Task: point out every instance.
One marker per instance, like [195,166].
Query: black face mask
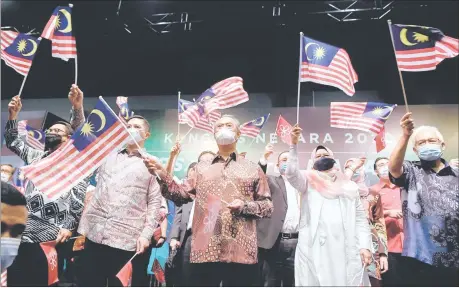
[52,141]
[324,164]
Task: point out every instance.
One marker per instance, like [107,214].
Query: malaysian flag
[252,128]
[189,113]
[364,116]
[101,134]
[122,103]
[59,30]
[18,50]
[33,137]
[224,94]
[328,65]
[420,48]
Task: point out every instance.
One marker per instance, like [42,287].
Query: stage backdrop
[315,122]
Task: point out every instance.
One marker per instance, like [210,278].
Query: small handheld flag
[49,248]
[364,116]
[81,155]
[252,128]
[18,50]
[189,113]
[419,48]
[122,103]
[125,274]
[59,30]
[222,95]
[380,140]
[328,65]
[283,130]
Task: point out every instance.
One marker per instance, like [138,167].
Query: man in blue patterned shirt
[430,203]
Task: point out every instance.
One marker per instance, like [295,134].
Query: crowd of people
[237,222]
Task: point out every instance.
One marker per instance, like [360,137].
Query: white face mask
[9,248]
[225,136]
[5,177]
[136,137]
[384,172]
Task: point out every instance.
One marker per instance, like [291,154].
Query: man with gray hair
[223,239]
[430,202]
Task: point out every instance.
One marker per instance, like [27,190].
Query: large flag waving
[328,65]
[224,94]
[364,116]
[59,30]
[252,128]
[419,48]
[18,50]
[102,134]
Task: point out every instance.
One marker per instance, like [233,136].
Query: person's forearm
[170,164]
[397,156]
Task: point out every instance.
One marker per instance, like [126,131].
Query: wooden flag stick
[389,23]
[187,133]
[76,70]
[299,80]
[178,116]
[250,145]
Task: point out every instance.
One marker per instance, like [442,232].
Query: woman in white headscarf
[371,201]
[334,240]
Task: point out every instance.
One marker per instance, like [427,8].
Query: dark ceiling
[234,38]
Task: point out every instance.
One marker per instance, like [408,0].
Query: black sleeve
[263,167]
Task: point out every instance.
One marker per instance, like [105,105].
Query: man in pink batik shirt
[122,214]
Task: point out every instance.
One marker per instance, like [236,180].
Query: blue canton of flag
[206,96]
[101,134]
[378,111]
[328,65]
[253,128]
[18,50]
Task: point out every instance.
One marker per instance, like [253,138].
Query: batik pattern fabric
[234,237]
[45,216]
[430,205]
[375,215]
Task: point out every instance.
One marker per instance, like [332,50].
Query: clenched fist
[76,97]
[14,107]
[295,135]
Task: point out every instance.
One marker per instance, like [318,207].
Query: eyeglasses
[54,131]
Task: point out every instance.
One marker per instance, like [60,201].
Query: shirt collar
[447,170]
[232,157]
[383,184]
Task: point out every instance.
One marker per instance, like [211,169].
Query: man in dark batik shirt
[430,204]
[48,220]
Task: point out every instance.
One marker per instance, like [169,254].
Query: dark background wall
[235,38]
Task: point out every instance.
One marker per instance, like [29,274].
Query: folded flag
[18,50]
[224,94]
[33,137]
[283,130]
[59,30]
[364,116]
[419,48]
[328,65]
[252,128]
[49,248]
[81,155]
[157,263]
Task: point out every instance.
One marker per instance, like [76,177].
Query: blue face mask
[9,248]
[430,152]
[282,168]
[356,176]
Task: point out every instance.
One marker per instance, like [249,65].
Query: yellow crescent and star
[418,37]
[23,45]
[88,127]
[318,53]
[381,112]
[259,121]
[68,17]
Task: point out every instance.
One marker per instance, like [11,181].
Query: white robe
[331,233]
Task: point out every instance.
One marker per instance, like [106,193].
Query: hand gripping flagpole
[399,72]
[25,77]
[299,80]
